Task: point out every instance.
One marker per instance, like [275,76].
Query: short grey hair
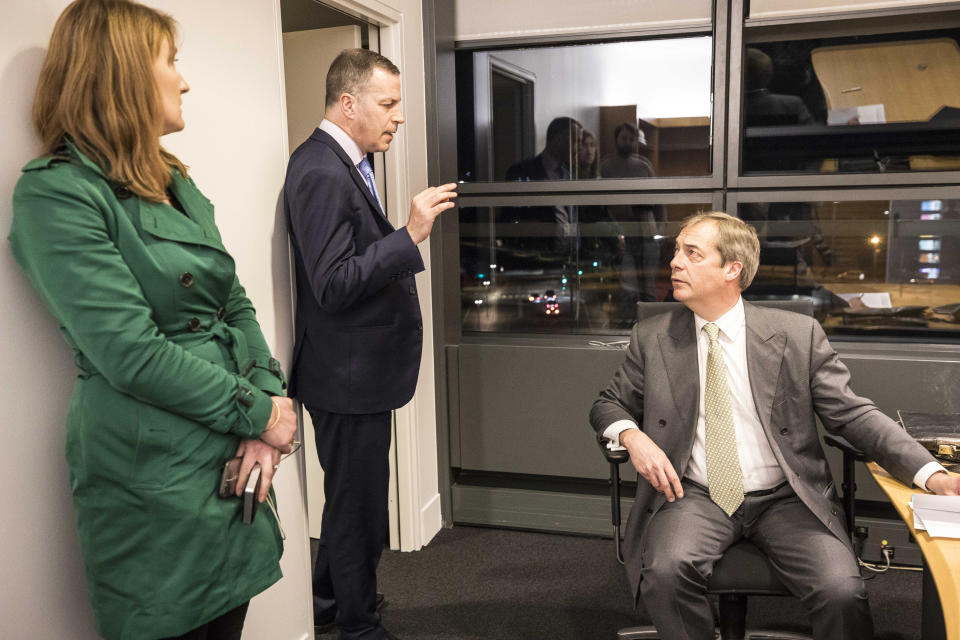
[351,70]
[736,241]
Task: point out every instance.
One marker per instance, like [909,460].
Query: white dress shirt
[348,144]
[757,461]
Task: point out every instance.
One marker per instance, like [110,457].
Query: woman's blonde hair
[97,87]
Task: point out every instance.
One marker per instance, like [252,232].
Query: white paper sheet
[938,515]
[864,114]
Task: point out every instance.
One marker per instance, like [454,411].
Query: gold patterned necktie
[723,460]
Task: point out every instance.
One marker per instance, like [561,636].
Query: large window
[634,109]
[565,268]
[836,133]
[857,104]
[871,267]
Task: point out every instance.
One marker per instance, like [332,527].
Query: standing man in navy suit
[358,327]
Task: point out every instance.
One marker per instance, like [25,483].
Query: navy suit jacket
[359,332]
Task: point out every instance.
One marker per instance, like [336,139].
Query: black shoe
[326,622]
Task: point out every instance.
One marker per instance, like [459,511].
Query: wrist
[935,478]
[274,415]
[414,236]
[627,436]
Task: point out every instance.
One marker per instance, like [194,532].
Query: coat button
[784,431]
[186,279]
[245,396]
[122,192]
[193,324]
[661,423]
[221,312]
[413,289]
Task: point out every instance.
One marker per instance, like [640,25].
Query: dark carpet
[492,584]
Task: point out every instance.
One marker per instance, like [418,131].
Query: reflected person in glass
[763,108]
[588,166]
[641,252]
[627,161]
[558,156]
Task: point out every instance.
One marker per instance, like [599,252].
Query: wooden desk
[912,79]
[941,556]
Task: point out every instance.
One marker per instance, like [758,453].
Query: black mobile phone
[250,493]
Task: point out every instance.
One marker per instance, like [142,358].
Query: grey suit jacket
[795,376]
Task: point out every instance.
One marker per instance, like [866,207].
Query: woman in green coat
[174,376]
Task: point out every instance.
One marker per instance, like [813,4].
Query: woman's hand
[254,451]
[282,427]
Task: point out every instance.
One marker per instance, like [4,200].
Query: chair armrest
[841,443]
[617,455]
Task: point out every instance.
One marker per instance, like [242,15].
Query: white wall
[235,145]
[476,20]
[784,8]
[575,80]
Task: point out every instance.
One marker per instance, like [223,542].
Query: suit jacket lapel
[679,349]
[765,347]
[327,139]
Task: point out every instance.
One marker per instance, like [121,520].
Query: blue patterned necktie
[367,172]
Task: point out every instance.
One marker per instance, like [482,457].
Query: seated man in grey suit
[725,394]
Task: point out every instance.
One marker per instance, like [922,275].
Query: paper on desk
[938,515]
[874,300]
[864,114]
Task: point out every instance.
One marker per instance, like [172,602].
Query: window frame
[717,31]
[853,23]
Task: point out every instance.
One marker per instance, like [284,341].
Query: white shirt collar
[731,323]
[348,144]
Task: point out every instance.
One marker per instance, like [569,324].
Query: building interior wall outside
[497,432]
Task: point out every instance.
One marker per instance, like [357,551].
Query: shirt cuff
[925,472]
[612,433]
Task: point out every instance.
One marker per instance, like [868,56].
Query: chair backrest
[799,305]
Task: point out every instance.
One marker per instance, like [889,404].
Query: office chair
[851,455]
[743,570]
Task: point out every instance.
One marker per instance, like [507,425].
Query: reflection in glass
[870,267]
[574,112]
[887,102]
[564,268]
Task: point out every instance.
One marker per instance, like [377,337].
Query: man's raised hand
[426,206]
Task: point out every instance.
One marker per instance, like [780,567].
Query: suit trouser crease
[684,540]
[353,452]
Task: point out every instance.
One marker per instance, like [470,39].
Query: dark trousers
[685,538]
[229,626]
[353,451]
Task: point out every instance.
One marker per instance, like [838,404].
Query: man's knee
[668,572]
[837,591]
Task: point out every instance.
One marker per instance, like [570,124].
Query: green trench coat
[173,371]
